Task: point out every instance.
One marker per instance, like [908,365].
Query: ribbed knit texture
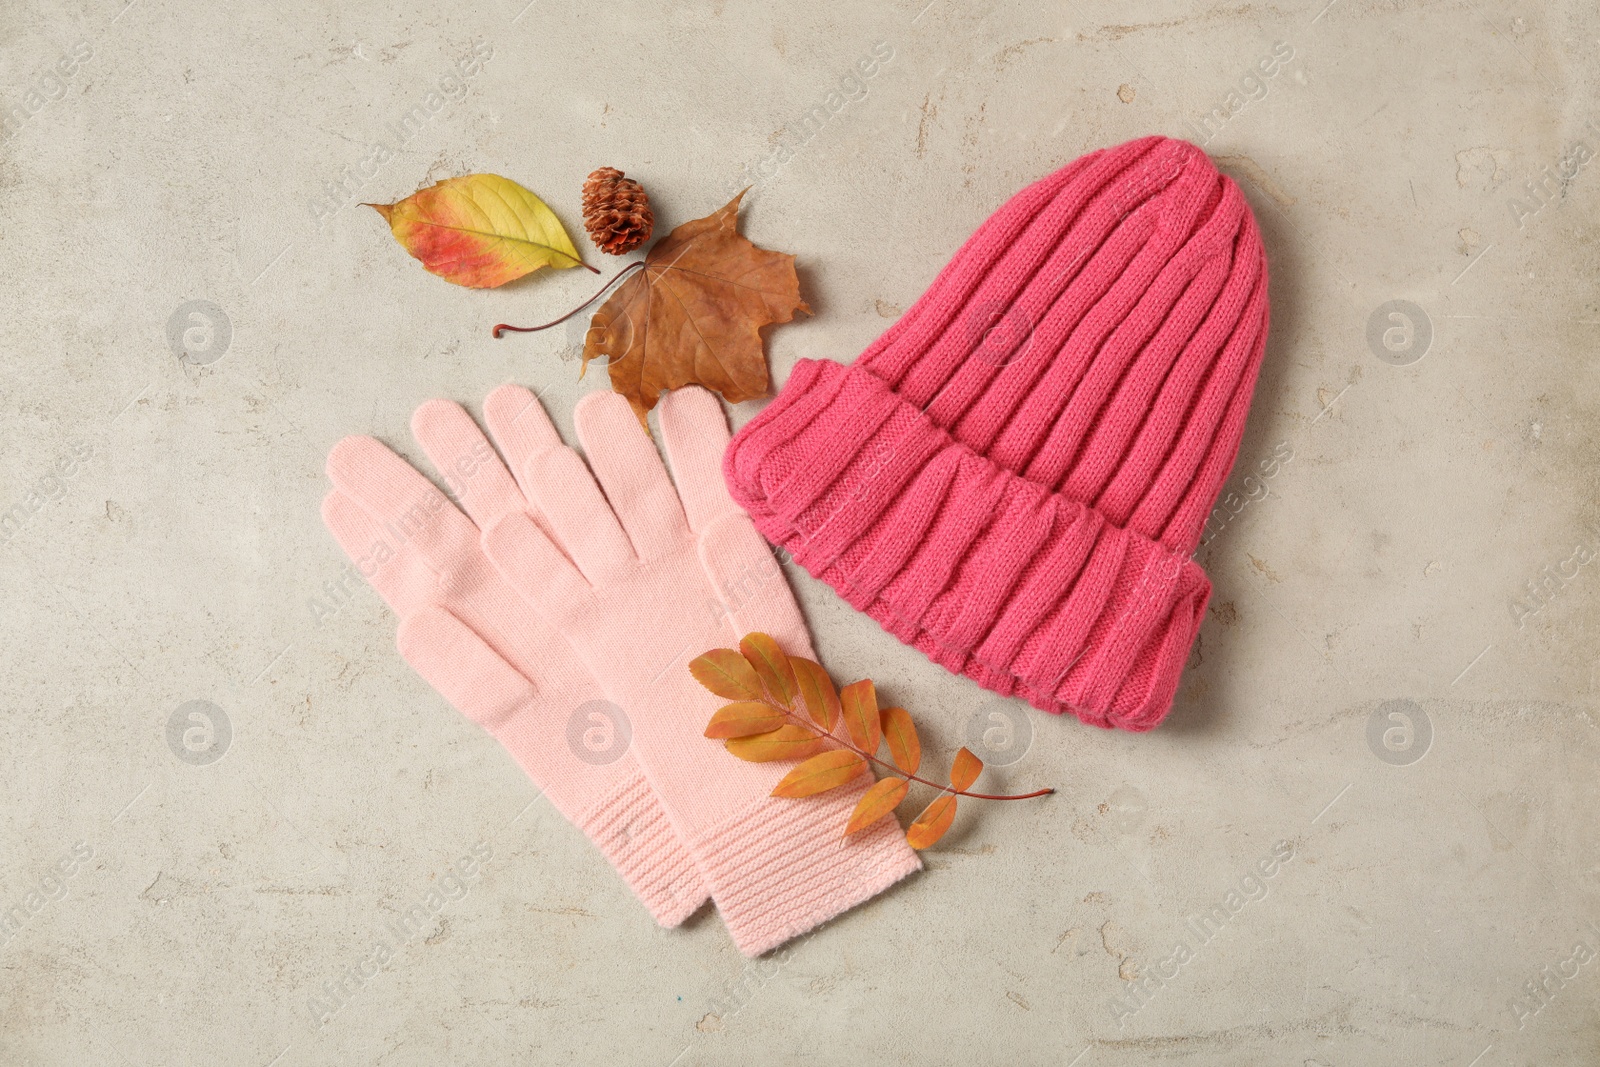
[778,882]
[1012,477]
[629,827]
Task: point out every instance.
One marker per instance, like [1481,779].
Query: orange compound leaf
[859,703]
[817,693]
[744,719]
[727,674]
[480,230]
[789,742]
[771,666]
[933,822]
[821,773]
[965,770]
[901,733]
[882,798]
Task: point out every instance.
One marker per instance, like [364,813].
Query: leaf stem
[814,728]
[623,273]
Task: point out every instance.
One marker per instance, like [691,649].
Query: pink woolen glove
[477,642]
[650,578]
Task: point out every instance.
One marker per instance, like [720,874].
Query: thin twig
[621,274]
[814,728]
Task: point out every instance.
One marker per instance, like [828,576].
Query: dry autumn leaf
[786,708]
[882,798]
[821,773]
[693,314]
[964,770]
[727,674]
[480,231]
[859,703]
[744,719]
[901,733]
[789,742]
[771,666]
[933,822]
[817,693]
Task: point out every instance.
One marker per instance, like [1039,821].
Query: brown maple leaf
[693,314]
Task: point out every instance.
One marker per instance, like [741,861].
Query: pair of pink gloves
[552,598]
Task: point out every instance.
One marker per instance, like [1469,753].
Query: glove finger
[695,432]
[464,669]
[755,595]
[580,520]
[471,470]
[519,426]
[400,574]
[535,567]
[408,506]
[630,471]
[739,562]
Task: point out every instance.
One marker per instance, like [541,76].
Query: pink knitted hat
[1013,476]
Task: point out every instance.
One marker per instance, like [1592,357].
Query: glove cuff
[785,866]
[630,828]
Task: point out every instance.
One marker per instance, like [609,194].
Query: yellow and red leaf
[479,230]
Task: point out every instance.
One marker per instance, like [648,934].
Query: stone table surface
[222,785]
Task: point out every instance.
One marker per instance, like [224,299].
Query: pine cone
[616,212]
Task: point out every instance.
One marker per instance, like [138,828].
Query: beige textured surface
[172,552]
